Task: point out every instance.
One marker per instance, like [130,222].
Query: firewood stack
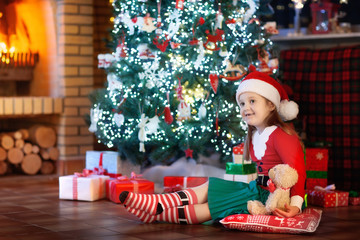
[29,150]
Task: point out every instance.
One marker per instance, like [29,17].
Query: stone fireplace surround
[67,72]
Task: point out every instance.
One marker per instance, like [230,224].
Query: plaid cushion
[326,85]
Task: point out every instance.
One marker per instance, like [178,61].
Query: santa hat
[272,90]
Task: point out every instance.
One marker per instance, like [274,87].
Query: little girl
[263,104]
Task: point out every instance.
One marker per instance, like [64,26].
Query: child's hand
[290,211]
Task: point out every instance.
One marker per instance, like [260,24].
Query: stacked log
[30,150]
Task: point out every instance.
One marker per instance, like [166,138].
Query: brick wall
[75,74]
[82,27]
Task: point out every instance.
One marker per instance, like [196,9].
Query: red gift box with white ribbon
[327,198]
[177,183]
[134,184]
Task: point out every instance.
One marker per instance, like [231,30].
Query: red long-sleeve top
[274,146]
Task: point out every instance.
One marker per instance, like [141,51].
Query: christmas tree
[173,74]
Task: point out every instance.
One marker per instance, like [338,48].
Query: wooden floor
[30,209]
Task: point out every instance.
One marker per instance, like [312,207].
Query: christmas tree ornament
[179,4]
[101,60]
[119,119]
[233,72]
[158,30]
[201,55]
[144,52]
[223,52]
[189,153]
[114,85]
[263,58]
[175,23]
[161,45]
[273,64]
[202,111]
[211,42]
[184,111]
[148,25]
[95,115]
[142,133]
[152,125]
[219,20]
[120,49]
[175,45]
[179,90]
[109,59]
[250,11]
[154,76]
[168,117]
[270,28]
[125,18]
[214,81]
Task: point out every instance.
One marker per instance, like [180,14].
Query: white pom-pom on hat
[268,87]
[288,110]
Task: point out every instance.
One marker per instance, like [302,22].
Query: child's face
[254,109]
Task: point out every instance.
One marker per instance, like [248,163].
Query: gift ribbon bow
[84,173]
[133,178]
[328,188]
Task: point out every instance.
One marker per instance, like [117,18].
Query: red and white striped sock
[149,202]
[181,215]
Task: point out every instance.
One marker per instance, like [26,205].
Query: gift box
[133,184]
[354,201]
[246,178]
[240,169]
[354,198]
[327,198]
[111,162]
[177,183]
[316,167]
[237,153]
[82,186]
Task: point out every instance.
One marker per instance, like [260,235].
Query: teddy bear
[282,177]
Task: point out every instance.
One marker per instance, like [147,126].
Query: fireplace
[62,39]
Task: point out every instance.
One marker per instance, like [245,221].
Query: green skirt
[227,197]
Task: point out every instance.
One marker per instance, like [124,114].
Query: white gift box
[111,162]
[246,178]
[88,188]
[237,158]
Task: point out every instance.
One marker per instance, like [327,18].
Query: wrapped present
[134,184]
[240,169]
[237,154]
[177,183]
[316,167]
[83,186]
[327,198]
[354,198]
[240,178]
[111,162]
